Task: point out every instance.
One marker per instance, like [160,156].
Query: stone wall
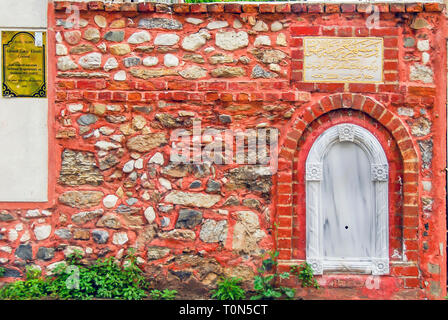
[132,74]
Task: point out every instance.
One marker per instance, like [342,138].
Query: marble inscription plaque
[343,59]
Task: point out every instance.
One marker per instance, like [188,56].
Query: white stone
[150,61]
[217,25]
[425,57]
[209,49]
[157,159]
[232,40]
[66,63]
[103,47]
[91,61]
[406,112]
[262,41]
[12,235]
[61,50]
[274,67]
[196,40]
[129,166]
[167,39]
[165,183]
[42,232]
[276,26]
[33,213]
[106,145]
[423,45]
[56,265]
[120,238]
[100,21]
[107,131]
[19,227]
[58,37]
[46,213]
[260,26]
[237,24]
[6,249]
[427,185]
[110,64]
[138,164]
[110,201]
[422,73]
[120,76]
[150,214]
[194,21]
[75,107]
[170,60]
[192,199]
[139,37]
[281,40]
[25,237]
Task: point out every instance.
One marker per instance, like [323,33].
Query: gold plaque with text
[23,64]
[343,59]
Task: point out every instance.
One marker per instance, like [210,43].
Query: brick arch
[298,125]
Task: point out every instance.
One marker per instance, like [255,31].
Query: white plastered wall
[23,121]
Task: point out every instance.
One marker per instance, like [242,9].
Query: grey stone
[11,273]
[195,184]
[131,62]
[188,219]
[165,222]
[159,23]
[100,236]
[223,118]
[213,231]
[87,119]
[213,186]
[63,233]
[131,201]
[259,72]
[247,232]
[115,36]
[66,63]
[253,178]
[6,216]
[231,201]
[24,251]
[45,254]
[268,56]
[196,40]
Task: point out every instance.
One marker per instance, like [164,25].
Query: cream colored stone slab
[343,59]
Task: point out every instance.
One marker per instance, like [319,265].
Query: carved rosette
[380,172]
[316,265]
[346,132]
[380,266]
[314,171]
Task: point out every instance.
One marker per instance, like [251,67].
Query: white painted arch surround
[378,263]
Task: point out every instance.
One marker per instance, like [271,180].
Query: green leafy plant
[2,271]
[264,283]
[305,274]
[229,289]
[33,287]
[104,279]
[163,295]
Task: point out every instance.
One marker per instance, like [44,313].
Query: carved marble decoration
[347,202]
[346,132]
[380,172]
[314,171]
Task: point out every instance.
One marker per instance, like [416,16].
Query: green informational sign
[23,64]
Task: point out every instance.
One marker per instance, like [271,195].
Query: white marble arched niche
[347,177]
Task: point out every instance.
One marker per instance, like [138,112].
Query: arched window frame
[379,262]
